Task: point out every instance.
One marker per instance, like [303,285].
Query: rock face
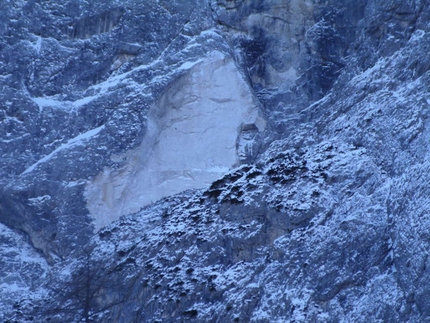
[214,161]
[196,132]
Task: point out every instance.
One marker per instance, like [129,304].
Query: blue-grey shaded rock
[321,217]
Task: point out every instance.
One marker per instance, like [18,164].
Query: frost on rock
[23,273]
[191,140]
[214,161]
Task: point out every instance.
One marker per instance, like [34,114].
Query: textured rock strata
[196,132]
[284,143]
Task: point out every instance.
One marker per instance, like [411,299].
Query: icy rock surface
[287,142]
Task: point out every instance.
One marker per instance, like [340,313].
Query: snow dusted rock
[195,133]
[24,271]
[258,245]
[110,106]
[117,121]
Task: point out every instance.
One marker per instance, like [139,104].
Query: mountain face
[214,161]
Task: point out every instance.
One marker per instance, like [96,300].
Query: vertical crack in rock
[202,126]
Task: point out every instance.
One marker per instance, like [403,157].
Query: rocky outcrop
[284,144]
[62,127]
[195,133]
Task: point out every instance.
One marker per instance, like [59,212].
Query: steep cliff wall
[193,137]
[284,144]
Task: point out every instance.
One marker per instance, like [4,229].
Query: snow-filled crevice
[193,137]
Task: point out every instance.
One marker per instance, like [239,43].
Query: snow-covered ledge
[193,137]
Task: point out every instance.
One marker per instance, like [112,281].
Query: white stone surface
[192,139]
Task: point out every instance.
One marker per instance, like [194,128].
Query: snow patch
[39,200]
[53,102]
[188,65]
[78,140]
[417,35]
[38,44]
